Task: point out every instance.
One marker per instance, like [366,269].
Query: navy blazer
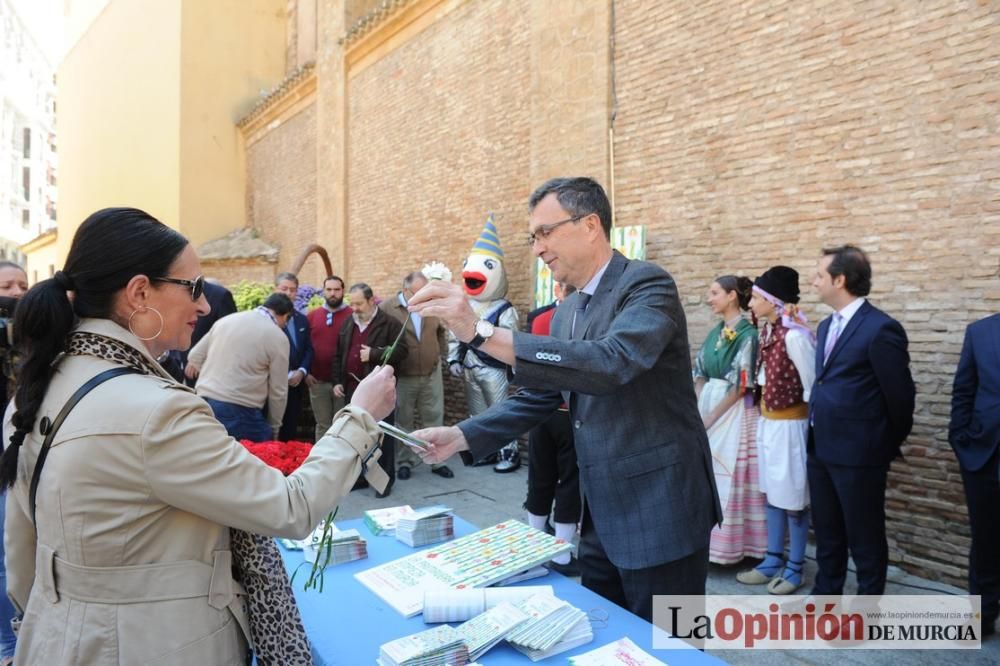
[974,431]
[645,464]
[861,406]
[300,351]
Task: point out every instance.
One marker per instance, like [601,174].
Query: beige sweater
[243,359]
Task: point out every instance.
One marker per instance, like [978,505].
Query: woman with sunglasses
[123,554]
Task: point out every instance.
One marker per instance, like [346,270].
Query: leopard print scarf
[275,624]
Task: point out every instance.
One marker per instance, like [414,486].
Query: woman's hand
[376,394]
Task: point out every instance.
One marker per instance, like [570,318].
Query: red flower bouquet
[284,456]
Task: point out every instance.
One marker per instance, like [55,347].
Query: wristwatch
[484,331]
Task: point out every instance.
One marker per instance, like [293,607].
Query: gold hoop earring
[144,310]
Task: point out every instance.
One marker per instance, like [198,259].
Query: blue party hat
[489,240]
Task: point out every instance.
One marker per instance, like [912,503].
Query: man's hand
[447,302]
[376,394]
[444,443]
[338,390]
[366,353]
[295,378]
[191,370]
[311,381]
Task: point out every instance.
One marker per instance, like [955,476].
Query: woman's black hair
[110,248]
[743,287]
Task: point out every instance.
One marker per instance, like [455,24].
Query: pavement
[483,497]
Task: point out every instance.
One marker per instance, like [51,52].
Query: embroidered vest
[782,385]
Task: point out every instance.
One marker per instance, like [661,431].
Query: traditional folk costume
[727,361]
[787,354]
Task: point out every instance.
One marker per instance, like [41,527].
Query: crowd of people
[139,508]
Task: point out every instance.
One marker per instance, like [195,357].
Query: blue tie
[582,300]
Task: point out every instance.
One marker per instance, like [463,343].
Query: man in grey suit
[619,357]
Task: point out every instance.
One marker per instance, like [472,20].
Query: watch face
[484,328]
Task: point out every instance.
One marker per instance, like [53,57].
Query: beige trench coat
[133,509]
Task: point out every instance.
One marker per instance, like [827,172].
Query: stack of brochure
[435,647]
[346,546]
[383,521]
[487,629]
[555,626]
[623,651]
[424,526]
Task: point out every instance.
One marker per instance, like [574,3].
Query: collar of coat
[110,329]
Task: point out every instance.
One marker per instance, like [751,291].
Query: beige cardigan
[133,510]
[243,359]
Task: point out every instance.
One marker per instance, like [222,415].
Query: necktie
[582,300]
[831,336]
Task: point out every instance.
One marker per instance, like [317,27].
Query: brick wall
[281,191]
[755,133]
[438,136]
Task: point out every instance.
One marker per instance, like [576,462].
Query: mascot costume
[485,377]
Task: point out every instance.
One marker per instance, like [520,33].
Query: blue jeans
[242,422]
[7,639]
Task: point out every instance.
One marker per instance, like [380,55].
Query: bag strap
[49,429]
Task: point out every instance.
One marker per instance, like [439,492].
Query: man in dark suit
[300,357]
[366,342]
[618,356]
[974,433]
[222,304]
[860,412]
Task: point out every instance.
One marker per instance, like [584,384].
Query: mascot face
[483,277]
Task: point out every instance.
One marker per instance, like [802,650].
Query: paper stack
[383,521]
[345,546]
[434,647]
[487,629]
[555,626]
[459,605]
[623,651]
[424,526]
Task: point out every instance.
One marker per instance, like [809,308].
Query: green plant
[316,301]
[249,295]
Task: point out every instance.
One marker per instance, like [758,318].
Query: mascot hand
[456,369]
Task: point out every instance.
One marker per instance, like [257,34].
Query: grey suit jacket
[645,464]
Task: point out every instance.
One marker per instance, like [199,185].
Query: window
[27,142]
[26,182]
[25,218]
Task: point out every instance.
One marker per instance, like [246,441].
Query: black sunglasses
[197,285]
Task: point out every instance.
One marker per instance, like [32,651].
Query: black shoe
[488,460]
[443,471]
[388,491]
[403,472]
[571,570]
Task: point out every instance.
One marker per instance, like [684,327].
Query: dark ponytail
[110,248]
[743,286]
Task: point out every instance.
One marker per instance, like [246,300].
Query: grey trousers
[423,397]
[324,406]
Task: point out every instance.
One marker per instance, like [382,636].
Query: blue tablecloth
[347,623]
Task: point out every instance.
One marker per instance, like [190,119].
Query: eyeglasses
[543,231]
[197,285]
